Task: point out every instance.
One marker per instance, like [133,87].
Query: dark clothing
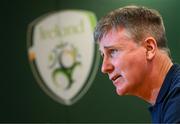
[167,106]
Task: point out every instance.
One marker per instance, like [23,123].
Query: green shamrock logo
[63,59]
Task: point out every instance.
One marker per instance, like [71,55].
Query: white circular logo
[63,54]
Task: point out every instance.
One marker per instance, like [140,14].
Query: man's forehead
[115,35]
[113,40]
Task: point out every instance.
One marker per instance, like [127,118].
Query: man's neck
[158,71]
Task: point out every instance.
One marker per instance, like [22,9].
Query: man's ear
[151,47]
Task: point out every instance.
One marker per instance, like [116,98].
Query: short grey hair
[139,21]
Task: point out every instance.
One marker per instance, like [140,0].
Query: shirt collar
[166,84]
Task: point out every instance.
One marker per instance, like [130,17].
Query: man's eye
[113,52]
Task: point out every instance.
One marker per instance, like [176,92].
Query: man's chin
[120,92]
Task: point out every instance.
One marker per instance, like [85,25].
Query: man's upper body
[132,42]
[167,106]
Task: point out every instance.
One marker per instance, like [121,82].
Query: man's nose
[107,66]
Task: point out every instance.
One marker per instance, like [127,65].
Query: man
[132,42]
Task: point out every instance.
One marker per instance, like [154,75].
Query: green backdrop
[22,100]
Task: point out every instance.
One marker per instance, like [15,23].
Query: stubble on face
[129,63]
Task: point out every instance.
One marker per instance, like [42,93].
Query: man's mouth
[114,78]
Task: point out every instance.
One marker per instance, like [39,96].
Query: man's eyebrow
[110,47]
[113,46]
[107,47]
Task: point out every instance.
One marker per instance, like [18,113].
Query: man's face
[124,61]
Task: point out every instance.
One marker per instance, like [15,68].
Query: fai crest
[63,54]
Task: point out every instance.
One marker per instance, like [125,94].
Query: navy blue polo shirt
[167,105]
